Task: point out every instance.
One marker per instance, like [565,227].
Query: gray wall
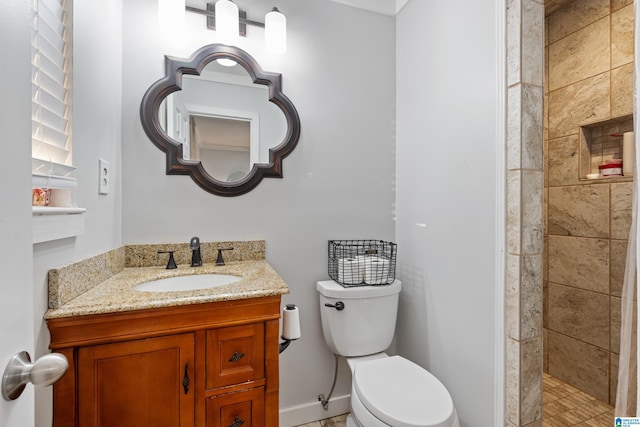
[446,164]
[337,184]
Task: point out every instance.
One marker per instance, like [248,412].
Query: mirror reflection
[223,120]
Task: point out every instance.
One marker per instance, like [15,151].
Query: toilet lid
[402,394]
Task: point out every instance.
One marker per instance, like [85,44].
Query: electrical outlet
[104,177]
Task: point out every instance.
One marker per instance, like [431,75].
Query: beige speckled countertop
[116,293]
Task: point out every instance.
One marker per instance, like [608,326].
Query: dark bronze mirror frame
[175,68]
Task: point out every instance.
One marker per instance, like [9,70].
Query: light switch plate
[104,177]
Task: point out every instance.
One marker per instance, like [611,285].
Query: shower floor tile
[564,405]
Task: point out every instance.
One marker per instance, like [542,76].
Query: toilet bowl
[393,391]
[387,391]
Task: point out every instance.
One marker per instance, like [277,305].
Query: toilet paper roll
[290,322]
[350,271]
[376,271]
[628,153]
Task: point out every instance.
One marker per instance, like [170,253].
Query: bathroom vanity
[207,357]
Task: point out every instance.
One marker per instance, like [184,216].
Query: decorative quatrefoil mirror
[221,119]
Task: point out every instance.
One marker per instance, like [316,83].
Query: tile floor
[339,421]
[563,405]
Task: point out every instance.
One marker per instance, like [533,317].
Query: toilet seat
[402,394]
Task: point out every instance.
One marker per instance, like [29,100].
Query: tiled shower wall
[524,219]
[588,78]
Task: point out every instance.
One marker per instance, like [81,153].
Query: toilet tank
[366,324]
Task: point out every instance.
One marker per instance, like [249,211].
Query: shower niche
[602,143]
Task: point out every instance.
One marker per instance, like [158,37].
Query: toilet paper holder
[290,326]
[284,345]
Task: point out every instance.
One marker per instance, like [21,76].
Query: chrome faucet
[196,258]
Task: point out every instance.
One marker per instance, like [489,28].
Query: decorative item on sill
[362,262]
[40,197]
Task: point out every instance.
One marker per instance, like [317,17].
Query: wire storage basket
[362,262]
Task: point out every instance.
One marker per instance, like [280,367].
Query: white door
[16,252]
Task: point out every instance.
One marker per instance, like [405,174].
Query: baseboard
[307,413]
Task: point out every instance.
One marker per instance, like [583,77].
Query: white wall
[97,70]
[446,179]
[339,71]
[16,310]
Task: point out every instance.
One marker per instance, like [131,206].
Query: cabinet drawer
[234,355]
[243,408]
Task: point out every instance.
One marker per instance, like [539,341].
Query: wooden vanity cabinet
[205,365]
[135,383]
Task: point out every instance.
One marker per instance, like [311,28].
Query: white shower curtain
[627,393]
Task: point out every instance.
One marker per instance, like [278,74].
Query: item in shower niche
[40,197]
[610,169]
[628,153]
[351,270]
[376,271]
[593,175]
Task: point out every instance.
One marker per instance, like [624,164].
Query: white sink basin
[187,283]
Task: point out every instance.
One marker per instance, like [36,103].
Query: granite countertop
[116,294]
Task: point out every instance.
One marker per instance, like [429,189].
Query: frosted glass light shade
[227,22]
[275,32]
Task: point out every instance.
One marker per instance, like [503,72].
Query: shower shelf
[601,141]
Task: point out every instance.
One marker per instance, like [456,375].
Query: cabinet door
[244,408]
[142,383]
[234,355]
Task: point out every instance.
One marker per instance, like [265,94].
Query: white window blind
[51,88]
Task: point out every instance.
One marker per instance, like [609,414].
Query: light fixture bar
[210,14]
[232,19]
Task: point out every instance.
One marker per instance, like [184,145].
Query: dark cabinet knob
[236,356]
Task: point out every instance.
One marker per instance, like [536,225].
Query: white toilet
[387,391]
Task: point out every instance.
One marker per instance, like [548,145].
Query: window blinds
[51,88]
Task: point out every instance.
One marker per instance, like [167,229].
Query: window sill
[53,181]
[53,223]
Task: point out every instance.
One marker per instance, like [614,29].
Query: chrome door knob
[43,372]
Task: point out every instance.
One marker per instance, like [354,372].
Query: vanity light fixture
[275,32]
[225,18]
[227,22]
